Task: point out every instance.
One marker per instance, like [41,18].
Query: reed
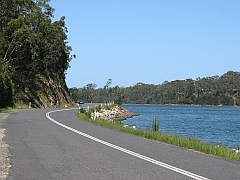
[155,124]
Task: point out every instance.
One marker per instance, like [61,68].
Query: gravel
[4,153]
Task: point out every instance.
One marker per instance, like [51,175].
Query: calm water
[210,124]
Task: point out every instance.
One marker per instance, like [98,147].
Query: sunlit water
[210,124]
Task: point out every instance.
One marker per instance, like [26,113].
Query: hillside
[215,90]
[34,55]
[46,91]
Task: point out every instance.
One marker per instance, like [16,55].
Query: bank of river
[211,124]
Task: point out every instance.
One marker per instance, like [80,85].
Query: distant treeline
[215,90]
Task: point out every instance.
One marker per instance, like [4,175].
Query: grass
[8,157]
[66,106]
[189,143]
[172,139]
[3,110]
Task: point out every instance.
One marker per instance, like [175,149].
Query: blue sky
[150,41]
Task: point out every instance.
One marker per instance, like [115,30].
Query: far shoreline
[196,105]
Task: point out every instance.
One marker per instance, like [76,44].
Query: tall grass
[155,124]
[189,142]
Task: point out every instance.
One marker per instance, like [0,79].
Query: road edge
[5,155]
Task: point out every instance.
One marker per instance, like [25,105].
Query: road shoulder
[4,153]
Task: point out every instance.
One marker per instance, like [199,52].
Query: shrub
[81,110]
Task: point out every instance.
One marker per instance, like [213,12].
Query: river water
[211,124]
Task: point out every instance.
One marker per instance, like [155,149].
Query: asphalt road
[53,144]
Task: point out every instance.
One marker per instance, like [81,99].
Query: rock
[117,113]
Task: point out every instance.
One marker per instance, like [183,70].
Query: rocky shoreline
[115,114]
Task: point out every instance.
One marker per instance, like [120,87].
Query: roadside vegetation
[154,134]
[155,124]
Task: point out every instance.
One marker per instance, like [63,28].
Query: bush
[6,87]
[88,113]
[81,110]
[98,108]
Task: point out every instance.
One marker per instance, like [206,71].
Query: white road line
[181,171]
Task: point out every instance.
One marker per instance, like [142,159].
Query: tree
[33,46]
[108,90]
[90,90]
[120,95]
[6,87]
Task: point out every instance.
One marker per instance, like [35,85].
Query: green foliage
[107,107]
[31,45]
[223,90]
[81,110]
[87,93]
[120,95]
[98,108]
[155,124]
[88,113]
[6,87]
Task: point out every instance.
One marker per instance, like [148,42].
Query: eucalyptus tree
[10,22]
[6,86]
[120,95]
[90,90]
[31,45]
[108,90]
